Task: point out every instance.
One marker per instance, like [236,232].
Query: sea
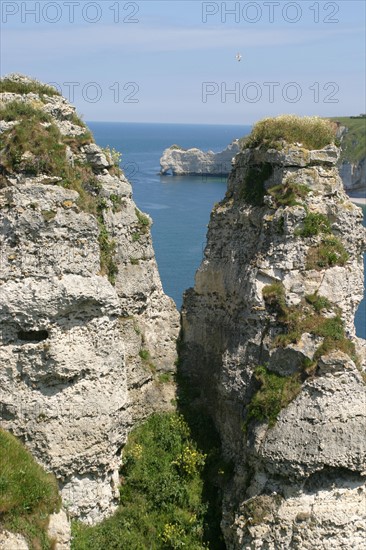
[180,206]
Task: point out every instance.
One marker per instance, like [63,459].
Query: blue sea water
[179,206]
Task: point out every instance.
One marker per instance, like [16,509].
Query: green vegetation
[143,220]
[144,354]
[107,247]
[353,145]
[274,296]
[318,302]
[36,146]
[177,147]
[75,119]
[165,378]
[311,132]
[48,215]
[161,494]
[46,152]
[260,507]
[288,193]
[146,357]
[28,495]
[307,317]
[117,203]
[314,223]
[253,189]
[328,253]
[274,394]
[35,87]
[217,471]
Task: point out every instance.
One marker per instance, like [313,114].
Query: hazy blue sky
[174,61]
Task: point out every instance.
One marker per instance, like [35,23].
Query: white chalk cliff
[273,307]
[85,325]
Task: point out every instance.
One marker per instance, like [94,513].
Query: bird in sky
[238,56]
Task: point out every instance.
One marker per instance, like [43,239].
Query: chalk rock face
[282,269]
[85,326]
[353,174]
[12,541]
[179,162]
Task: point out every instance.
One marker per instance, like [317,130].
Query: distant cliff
[352,162]
[85,328]
[268,340]
[179,162]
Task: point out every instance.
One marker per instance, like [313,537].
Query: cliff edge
[268,337]
[86,328]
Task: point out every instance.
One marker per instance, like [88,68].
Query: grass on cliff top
[37,135]
[28,495]
[12,86]
[161,506]
[353,144]
[311,132]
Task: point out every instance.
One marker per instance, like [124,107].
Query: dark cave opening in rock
[33,335]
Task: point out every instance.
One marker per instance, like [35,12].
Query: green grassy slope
[28,495]
[354,142]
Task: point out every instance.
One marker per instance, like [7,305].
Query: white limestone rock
[178,161]
[59,530]
[299,483]
[12,541]
[72,382]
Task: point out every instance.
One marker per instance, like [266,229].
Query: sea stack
[268,336]
[177,161]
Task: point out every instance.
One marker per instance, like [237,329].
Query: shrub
[274,296]
[28,495]
[311,132]
[144,354]
[274,394]
[313,224]
[165,378]
[328,253]
[161,503]
[318,302]
[288,193]
[252,189]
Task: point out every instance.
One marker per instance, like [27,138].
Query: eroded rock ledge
[268,336]
[85,327]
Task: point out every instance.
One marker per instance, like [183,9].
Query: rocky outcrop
[179,162]
[85,326]
[268,336]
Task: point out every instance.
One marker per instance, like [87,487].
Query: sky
[174,61]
